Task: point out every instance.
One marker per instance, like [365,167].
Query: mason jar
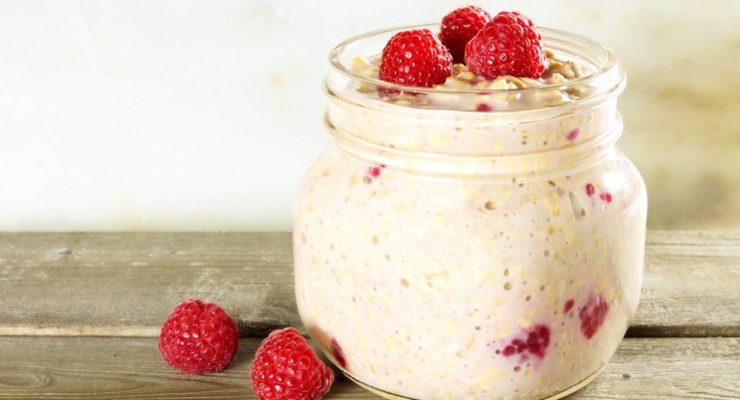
[446,253]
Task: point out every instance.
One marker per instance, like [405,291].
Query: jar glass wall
[443,253]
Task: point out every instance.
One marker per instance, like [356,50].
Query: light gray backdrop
[203,115]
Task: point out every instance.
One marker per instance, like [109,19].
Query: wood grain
[691,286]
[124,284]
[108,368]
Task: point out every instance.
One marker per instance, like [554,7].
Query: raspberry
[198,338]
[415,58]
[338,353]
[508,45]
[536,341]
[459,26]
[606,196]
[593,315]
[286,368]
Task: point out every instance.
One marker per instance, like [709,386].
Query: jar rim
[606,69]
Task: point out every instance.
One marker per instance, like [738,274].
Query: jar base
[578,386]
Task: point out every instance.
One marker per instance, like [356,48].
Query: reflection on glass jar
[444,253]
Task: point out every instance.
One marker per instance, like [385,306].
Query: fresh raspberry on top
[198,338]
[415,58]
[286,368]
[459,26]
[508,45]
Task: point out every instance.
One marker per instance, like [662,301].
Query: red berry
[198,338]
[415,58]
[592,316]
[507,45]
[459,26]
[286,368]
[375,171]
[509,351]
[338,353]
[568,306]
[483,107]
[590,189]
[533,341]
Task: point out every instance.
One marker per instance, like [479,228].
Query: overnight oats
[472,232]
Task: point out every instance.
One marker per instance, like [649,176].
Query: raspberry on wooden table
[287,368]
[415,58]
[199,338]
[459,26]
[507,45]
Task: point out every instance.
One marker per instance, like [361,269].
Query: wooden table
[80,312]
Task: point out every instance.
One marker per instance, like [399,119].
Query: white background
[203,115]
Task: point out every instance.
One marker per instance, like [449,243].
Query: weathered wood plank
[124,284]
[691,286]
[107,368]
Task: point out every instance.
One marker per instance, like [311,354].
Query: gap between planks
[125,284]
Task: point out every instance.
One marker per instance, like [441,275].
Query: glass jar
[443,253]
